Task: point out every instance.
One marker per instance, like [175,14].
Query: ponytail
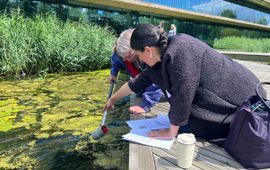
[148,35]
[163,41]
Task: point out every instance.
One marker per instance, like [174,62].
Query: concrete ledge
[250,56]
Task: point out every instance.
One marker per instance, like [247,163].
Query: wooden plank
[202,160]
[219,154]
[163,164]
[164,107]
[160,108]
[198,162]
[213,148]
[262,71]
[140,157]
[213,152]
[224,161]
[167,160]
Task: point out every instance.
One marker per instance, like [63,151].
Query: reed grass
[243,44]
[41,45]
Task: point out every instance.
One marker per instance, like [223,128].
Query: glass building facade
[120,19]
[218,8]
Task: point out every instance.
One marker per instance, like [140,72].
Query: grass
[44,44]
[243,44]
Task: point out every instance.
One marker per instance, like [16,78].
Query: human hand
[112,79]
[109,105]
[161,134]
[136,110]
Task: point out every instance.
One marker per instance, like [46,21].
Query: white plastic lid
[186,138]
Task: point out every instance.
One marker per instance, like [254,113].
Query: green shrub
[45,44]
[243,44]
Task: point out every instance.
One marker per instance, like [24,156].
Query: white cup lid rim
[186,138]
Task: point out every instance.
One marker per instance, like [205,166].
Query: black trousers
[211,131]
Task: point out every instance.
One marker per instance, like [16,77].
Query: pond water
[45,123]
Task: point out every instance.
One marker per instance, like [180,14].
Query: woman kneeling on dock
[204,88]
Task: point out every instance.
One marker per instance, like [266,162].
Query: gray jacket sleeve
[184,73]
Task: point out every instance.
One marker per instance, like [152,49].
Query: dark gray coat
[202,82]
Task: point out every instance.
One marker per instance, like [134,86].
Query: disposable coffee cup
[185,149]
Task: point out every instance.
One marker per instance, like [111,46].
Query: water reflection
[45,124]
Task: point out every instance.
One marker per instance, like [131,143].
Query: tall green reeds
[45,44]
[243,44]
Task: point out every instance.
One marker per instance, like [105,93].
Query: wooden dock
[207,156]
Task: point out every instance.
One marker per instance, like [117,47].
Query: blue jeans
[150,97]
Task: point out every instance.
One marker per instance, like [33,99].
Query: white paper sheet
[140,128]
[166,144]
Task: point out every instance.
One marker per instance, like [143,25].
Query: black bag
[249,137]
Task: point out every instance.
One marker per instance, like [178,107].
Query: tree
[29,8]
[228,13]
[4,5]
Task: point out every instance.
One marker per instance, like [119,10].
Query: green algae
[8,113]
[21,161]
[5,125]
[54,111]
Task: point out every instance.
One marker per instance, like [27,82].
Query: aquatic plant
[243,44]
[44,44]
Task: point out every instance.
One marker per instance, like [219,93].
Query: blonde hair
[174,27]
[123,43]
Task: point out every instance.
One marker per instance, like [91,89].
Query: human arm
[181,79]
[122,92]
[184,73]
[134,85]
[150,97]
[117,64]
[112,78]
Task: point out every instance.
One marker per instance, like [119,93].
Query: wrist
[173,130]
[113,99]
[172,134]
